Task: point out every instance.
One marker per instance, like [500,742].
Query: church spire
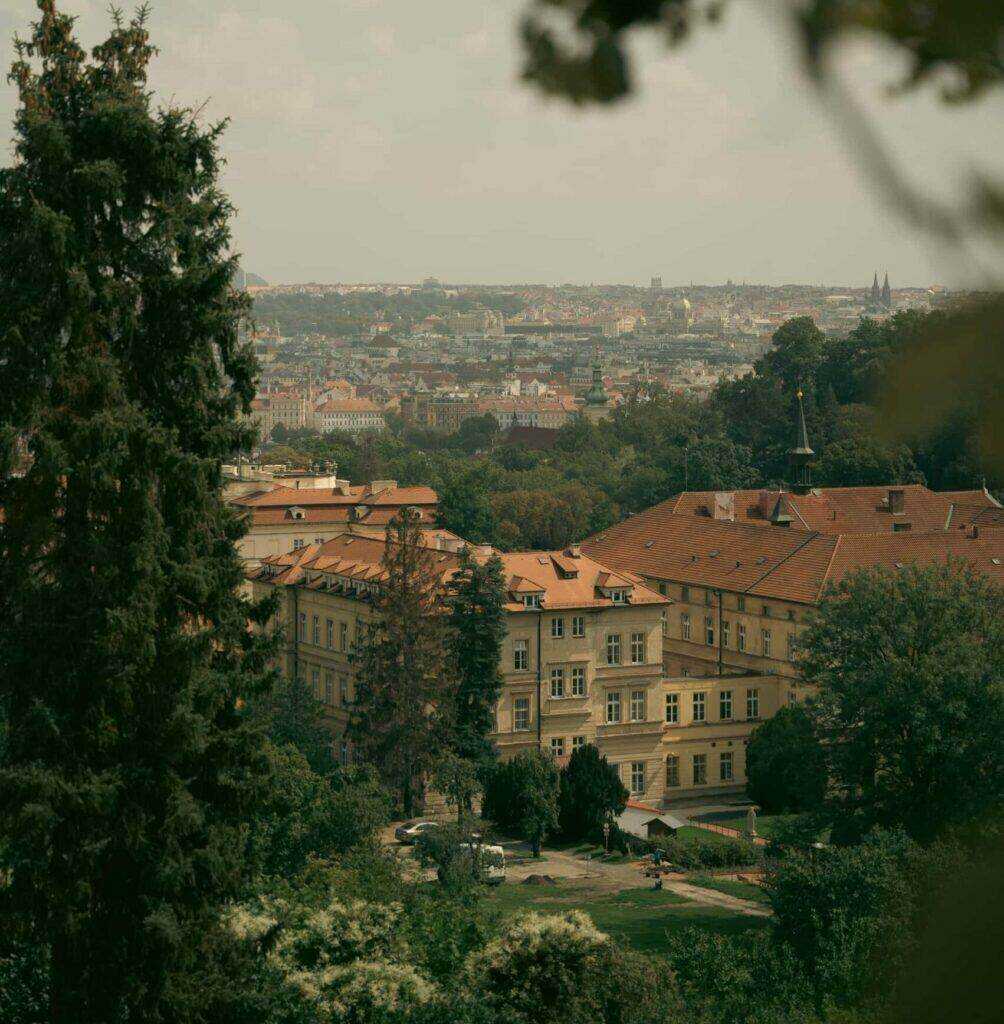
[876,294]
[801,455]
[886,291]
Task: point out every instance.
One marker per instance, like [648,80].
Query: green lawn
[731,887]
[766,824]
[639,917]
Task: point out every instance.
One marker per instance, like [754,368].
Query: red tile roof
[358,494]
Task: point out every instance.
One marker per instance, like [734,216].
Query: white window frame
[638,707]
[578,626]
[578,678]
[521,714]
[638,777]
[557,682]
[699,706]
[700,760]
[613,648]
[767,642]
[613,714]
[638,646]
[726,758]
[753,703]
[520,654]
[684,626]
[672,709]
[672,771]
[557,628]
[725,709]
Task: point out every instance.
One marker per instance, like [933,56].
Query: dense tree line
[656,444]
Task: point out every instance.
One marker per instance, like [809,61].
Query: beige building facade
[582,660]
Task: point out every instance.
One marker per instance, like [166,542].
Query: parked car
[409,832]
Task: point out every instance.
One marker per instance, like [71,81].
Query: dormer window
[532,600]
[619,596]
[297,513]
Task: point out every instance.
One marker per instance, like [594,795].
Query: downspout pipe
[540,619]
[721,652]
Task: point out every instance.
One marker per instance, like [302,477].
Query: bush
[691,852]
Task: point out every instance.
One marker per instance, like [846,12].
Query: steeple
[876,295]
[597,394]
[801,455]
[886,291]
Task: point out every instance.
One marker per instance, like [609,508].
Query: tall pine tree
[478,628]
[124,646]
[404,666]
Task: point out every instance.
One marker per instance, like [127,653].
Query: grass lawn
[639,917]
[731,887]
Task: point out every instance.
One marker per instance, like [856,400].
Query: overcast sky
[386,140]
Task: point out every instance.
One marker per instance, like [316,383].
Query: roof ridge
[791,554]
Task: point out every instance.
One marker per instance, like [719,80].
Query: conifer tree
[404,666]
[478,628]
[125,650]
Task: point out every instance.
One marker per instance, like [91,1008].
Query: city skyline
[724,165]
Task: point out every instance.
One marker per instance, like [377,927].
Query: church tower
[801,455]
[597,401]
[886,292]
[876,294]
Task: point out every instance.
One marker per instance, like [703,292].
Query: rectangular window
[578,742]
[741,640]
[315,682]
[725,766]
[672,770]
[558,746]
[741,603]
[520,655]
[684,593]
[766,611]
[618,596]
[725,705]
[707,597]
[343,691]
[521,714]
[684,625]
[790,645]
[329,689]
[343,636]
[665,624]
[301,627]
[709,631]
[700,706]
[315,630]
[637,705]
[557,628]
[578,625]
[637,776]
[663,589]
[613,648]
[752,703]
[726,632]
[637,648]
[700,769]
[557,683]
[298,543]
[767,642]
[613,707]
[578,680]
[329,633]
[673,708]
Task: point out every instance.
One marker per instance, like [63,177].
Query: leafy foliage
[785,763]
[907,664]
[521,796]
[591,792]
[129,772]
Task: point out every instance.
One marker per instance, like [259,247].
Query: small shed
[645,822]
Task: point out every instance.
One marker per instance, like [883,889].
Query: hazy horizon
[386,141]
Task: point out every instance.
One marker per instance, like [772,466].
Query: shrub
[691,852]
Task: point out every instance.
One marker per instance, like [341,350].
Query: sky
[388,140]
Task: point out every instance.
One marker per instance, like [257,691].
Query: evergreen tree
[478,628]
[293,716]
[785,763]
[591,791]
[124,644]
[403,666]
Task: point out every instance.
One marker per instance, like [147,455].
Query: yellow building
[582,662]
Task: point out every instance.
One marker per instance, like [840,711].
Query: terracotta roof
[839,510]
[358,494]
[330,514]
[348,405]
[784,563]
[527,572]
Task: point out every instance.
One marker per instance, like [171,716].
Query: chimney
[574,551]
[897,499]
